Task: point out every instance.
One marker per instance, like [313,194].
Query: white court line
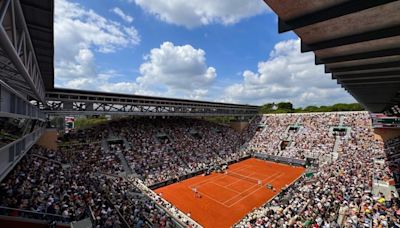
[273,175]
[232,189]
[224,187]
[252,193]
[238,180]
[212,198]
[213,179]
[216,177]
[277,177]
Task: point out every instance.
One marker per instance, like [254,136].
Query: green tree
[267,108]
[285,106]
[311,109]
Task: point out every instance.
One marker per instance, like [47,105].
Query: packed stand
[43,186]
[295,136]
[149,156]
[313,138]
[164,149]
[392,148]
[82,174]
[338,194]
[268,138]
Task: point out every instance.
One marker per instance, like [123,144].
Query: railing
[124,223]
[91,216]
[66,144]
[48,159]
[13,152]
[14,212]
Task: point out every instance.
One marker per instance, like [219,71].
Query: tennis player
[196,193]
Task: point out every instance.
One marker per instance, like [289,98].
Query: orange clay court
[226,198]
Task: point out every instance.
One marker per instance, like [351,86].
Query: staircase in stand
[128,170]
[298,120]
[127,145]
[125,165]
[335,154]
[341,120]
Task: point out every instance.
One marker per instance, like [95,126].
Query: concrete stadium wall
[386,133]
[48,139]
[239,125]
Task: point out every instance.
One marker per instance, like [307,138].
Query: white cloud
[103,84]
[175,71]
[179,71]
[288,75]
[122,15]
[193,13]
[171,71]
[79,33]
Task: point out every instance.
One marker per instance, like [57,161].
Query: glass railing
[13,129]
[14,151]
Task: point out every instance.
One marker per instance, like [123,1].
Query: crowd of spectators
[313,137]
[270,133]
[296,136]
[392,148]
[85,154]
[162,149]
[184,219]
[83,177]
[42,184]
[338,194]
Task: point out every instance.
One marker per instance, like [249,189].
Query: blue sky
[226,50]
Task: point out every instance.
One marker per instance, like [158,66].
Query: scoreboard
[69,124]
[384,121]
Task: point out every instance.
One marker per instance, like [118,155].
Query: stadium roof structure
[26,46]
[70,101]
[357,40]
[39,16]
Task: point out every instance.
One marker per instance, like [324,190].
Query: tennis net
[242,177]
